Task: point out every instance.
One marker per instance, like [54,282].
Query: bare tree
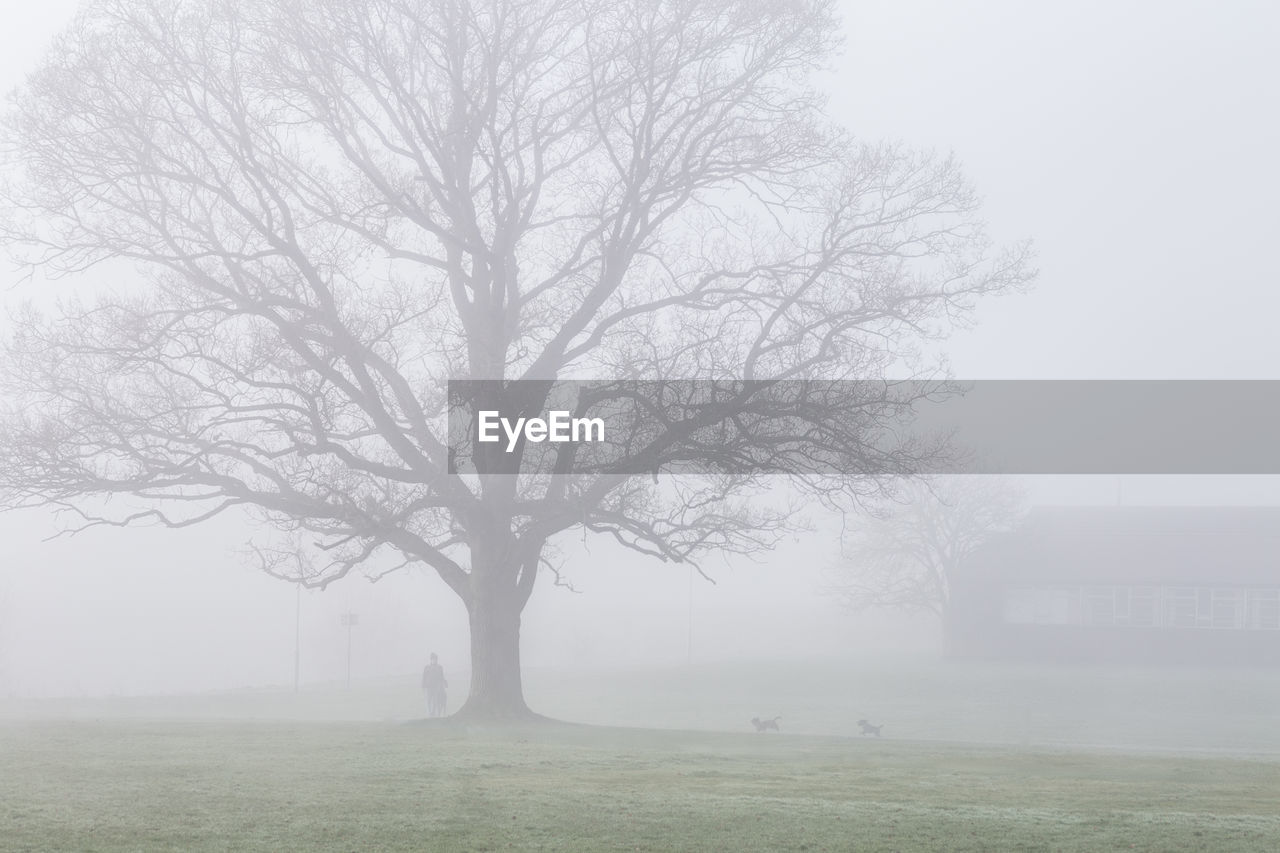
[902,551]
[327,208]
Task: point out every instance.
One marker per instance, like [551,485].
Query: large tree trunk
[499,585]
[496,689]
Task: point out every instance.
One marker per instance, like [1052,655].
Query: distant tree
[901,551]
[327,208]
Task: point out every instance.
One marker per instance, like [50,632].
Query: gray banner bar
[865,428]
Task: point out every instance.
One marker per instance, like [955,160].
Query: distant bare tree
[327,208]
[900,553]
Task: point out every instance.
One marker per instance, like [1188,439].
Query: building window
[1042,606]
[1142,606]
[1020,606]
[1263,610]
[1226,609]
[1181,606]
[1100,605]
[1222,608]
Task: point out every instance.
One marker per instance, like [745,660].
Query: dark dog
[868,729]
[765,725]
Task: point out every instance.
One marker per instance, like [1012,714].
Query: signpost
[689,639]
[349,621]
[297,635]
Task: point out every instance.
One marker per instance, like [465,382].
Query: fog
[144,611]
[1134,143]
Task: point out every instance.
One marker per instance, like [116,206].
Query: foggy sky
[1135,142]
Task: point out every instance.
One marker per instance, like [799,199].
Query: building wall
[1181,623]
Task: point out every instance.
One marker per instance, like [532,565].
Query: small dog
[765,725]
[868,729]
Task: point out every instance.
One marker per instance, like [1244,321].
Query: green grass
[133,785]
[976,757]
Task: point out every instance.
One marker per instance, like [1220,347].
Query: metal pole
[349,621]
[689,639]
[297,635]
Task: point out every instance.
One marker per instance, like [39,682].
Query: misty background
[1137,149]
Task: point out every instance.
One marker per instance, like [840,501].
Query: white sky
[1135,142]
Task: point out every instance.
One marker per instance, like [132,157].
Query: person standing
[433,686]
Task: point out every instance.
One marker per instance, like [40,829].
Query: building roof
[1135,545]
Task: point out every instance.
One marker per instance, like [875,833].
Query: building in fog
[1126,584]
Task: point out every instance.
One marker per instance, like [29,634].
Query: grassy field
[1088,760]
[356,787]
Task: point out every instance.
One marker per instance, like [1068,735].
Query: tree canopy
[310,214]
